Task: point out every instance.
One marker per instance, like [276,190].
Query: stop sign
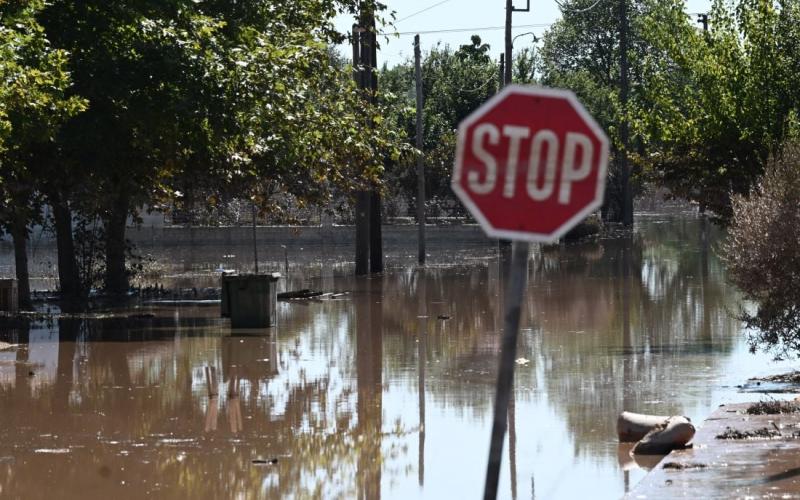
[530,163]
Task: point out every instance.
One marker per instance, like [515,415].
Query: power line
[478,88]
[577,11]
[463,30]
[426,9]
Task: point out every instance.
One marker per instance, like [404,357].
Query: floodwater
[385,392]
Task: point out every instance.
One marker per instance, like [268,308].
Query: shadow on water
[385,392]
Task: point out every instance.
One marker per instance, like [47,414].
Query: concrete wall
[298,235]
[280,235]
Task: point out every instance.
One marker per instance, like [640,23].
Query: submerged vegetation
[762,433]
[773,408]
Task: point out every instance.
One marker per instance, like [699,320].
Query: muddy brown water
[372,395]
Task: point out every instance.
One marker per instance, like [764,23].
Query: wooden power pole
[504,246]
[627,196]
[507,75]
[421,156]
[369,63]
[506,70]
[501,80]
[362,196]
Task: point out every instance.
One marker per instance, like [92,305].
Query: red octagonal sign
[530,164]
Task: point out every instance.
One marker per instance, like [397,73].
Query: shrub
[763,254]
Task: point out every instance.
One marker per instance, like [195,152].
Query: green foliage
[455,83]
[106,105]
[583,41]
[34,103]
[581,52]
[706,109]
[525,66]
[214,96]
[714,106]
[762,254]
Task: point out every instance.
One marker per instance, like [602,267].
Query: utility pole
[509,44]
[504,246]
[627,197]
[506,70]
[502,79]
[703,19]
[369,58]
[362,196]
[509,66]
[421,156]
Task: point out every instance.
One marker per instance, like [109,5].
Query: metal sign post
[508,354]
[530,165]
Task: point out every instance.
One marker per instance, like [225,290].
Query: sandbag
[632,427]
[673,434]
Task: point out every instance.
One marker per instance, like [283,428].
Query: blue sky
[463,14]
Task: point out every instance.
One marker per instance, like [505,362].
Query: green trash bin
[250,300]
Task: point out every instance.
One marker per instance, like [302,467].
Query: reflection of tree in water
[129,402]
[134,393]
[647,302]
[460,352]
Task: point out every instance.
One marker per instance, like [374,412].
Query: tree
[581,52]
[762,254]
[713,106]
[221,95]
[455,83]
[33,105]
[707,108]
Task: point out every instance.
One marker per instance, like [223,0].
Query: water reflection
[385,392]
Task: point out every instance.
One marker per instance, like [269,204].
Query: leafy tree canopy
[34,82]
[713,106]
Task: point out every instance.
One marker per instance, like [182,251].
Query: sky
[466,15]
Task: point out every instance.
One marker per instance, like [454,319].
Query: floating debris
[763,433]
[522,361]
[52,451]
[786,378]
[4,346]
[260,461]
[684,465]
[773,407]
[299,294]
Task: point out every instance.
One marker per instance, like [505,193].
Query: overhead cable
[426,9]
[463,30]
[577,11]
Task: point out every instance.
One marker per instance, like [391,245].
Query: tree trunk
[362,232]
[68,278]
[375,236]
[19,232]
[116,279]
